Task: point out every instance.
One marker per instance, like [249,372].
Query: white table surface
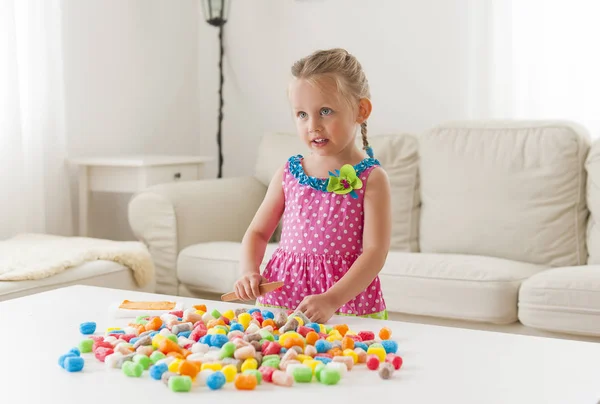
[441,365]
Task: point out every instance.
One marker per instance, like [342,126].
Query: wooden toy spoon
[263,288]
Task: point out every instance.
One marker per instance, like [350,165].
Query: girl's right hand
[247,287]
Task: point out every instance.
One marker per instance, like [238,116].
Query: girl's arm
[257,236]
[376,241]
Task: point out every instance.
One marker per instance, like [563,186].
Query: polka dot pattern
[321,238]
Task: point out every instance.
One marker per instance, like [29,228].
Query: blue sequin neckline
[320,184]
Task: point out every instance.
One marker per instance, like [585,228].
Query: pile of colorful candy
[246,347]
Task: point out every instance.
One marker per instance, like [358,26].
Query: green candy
[215,313]
[222,327]
[227,350]
[269,357]
[376,345]
[318,371]
[132,369]
[141,320]
[156,356]
[302,374]
[142,360]
[173,338]
[86,345]
[256,373]
[330,376]
[266,335]
[272,363]
[328,329]
[180,383]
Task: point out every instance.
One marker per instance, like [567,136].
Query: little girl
[335,202]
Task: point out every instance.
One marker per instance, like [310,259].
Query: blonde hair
[346,72]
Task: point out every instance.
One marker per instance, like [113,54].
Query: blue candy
[133,340]
[184,334]
[218,340]
[117,332]
[361,345]
[74,363]
[276,337]
[216,380]
[87,328]
[283,350]
[62,358]
[323,346]
[390,346]
[314,326]
[153,333]
[236,327]
[267,314]
[325,360]
[75,351]
[162,326]
[207,339]
[253,310]
[157,371]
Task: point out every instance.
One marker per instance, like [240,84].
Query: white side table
[130,174]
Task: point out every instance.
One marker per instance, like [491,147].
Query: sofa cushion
[213,267]
[593,201]
[398,155]
[94,273]
[562,300]
[512,190]
[464,287]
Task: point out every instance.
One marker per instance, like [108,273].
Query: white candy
[165,332]
[183,341]
[131,330]
[196,357]
[341,367]
[203,375]
[167,361]
[200,348]
[252,328]
[166,317]
[215,355]
[111,360]
[206,317]
[291,366]
[111,340]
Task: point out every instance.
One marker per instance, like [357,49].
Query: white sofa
[494,226]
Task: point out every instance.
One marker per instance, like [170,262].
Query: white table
[130,174]
[441,365]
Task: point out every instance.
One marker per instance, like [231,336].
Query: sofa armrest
[171,217]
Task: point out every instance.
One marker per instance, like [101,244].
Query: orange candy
[213,323]
[175,355]
[312,337]
[385,333]
[188,368]
[201,307]
[185,353]
[245,381]
[342,328]
[336,351]
[347,343]
[268,322]
[166,346]
[293,341]
[154,324]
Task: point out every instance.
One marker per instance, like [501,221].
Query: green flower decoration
[344,181]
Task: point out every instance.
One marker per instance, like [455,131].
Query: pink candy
[281,378]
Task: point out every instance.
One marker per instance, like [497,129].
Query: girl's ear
[364,110]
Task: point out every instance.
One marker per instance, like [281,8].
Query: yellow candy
[323,329]
[349,332]
[229,371]
[174,366]
[200,312]
[212,366]
[249,363]
[335,332]
[311,363]
[300,321]
[157,339]
[229,314]
[380,352]
[303,358]
[244,319]
[354,355]
[108,330]
[289,334]
[216,330]
[334,337]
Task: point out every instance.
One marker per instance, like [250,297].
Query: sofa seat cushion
[465,287]
[101,273]
[213,267]
[562,300]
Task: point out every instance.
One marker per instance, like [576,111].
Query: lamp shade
[215,11]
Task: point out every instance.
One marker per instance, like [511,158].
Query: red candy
[366,335]
[304,330]
[101,344]
[101,353]
[96,337]
[224,319]
[373,362]
[271,348]
[267,373]
[198,332]
[127,337]
[395,360]
[356,338]
[178,313]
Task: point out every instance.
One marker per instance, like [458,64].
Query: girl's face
[324,121]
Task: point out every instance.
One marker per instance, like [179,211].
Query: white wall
[415,55]
[131,77]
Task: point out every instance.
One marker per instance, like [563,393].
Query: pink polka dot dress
[321,238]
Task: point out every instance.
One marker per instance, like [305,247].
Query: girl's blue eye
[326,111]
[302,115]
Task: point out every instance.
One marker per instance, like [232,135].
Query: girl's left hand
[318,308]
